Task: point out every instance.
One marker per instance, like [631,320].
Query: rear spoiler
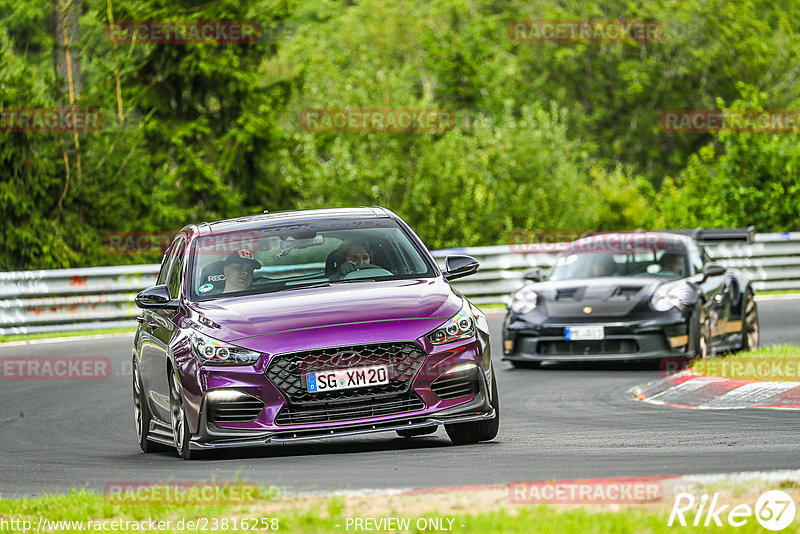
[748,235]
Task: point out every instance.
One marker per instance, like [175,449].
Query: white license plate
[355,377]
[578,333]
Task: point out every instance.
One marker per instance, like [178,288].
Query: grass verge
[779,292]
[69,333]
[492,307]
[482,510]
[777,363]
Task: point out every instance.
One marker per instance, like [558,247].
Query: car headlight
[212,351]
[524,300]
[670,296]
[460,326]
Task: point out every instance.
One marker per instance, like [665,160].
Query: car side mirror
[459,266]
[534,275]
[713,269]
[157,298]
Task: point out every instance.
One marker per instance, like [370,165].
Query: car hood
[357,312]
[612,296]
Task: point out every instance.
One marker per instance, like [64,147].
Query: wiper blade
[352,280]
[306,286]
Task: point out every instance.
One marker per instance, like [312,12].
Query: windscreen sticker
[205,288]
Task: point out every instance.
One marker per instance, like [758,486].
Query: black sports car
[632,295]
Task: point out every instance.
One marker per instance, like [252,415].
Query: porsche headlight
[460,326]
[211,351]
[524,300]
[667,297]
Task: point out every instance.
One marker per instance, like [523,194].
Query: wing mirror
[534,275]
[458,266]
[156,298]
[713,269]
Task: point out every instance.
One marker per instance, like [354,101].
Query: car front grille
[588,347]
[350,410]
[242,410]
[287,371]
[453,388]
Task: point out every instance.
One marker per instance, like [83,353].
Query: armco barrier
[102,297]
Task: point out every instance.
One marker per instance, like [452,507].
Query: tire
[180,432]
[527,365]
[699,333]
[414,432]
[473,432]
[750,329]
[141,415]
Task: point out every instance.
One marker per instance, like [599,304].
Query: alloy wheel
[751,330]
[137,403]
[177,418]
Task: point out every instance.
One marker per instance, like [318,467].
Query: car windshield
[295,256]
[661,264]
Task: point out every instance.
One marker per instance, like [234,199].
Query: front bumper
[437,400]
[212,437]
[631,340]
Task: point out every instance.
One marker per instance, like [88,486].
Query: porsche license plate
[579,333]
[355,377]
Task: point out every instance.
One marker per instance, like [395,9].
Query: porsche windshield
[661,264]
[301,255]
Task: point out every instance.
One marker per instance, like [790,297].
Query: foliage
[548,137]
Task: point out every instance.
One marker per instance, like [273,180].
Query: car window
[661,264]
[277,259]
[175,269]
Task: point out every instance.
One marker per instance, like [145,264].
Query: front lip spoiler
[593,357]
[297,436]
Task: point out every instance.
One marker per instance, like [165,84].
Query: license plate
[355,377]
[578,333]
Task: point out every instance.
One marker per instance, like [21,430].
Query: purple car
[301,325]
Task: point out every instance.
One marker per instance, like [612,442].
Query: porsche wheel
[750,331]
[700,333]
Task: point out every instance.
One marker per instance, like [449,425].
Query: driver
[354,255]
[238,269]
[672,262]
[603,265]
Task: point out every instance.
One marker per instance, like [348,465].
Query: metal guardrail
[102,297]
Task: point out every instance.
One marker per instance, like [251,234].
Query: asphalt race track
[561,422]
